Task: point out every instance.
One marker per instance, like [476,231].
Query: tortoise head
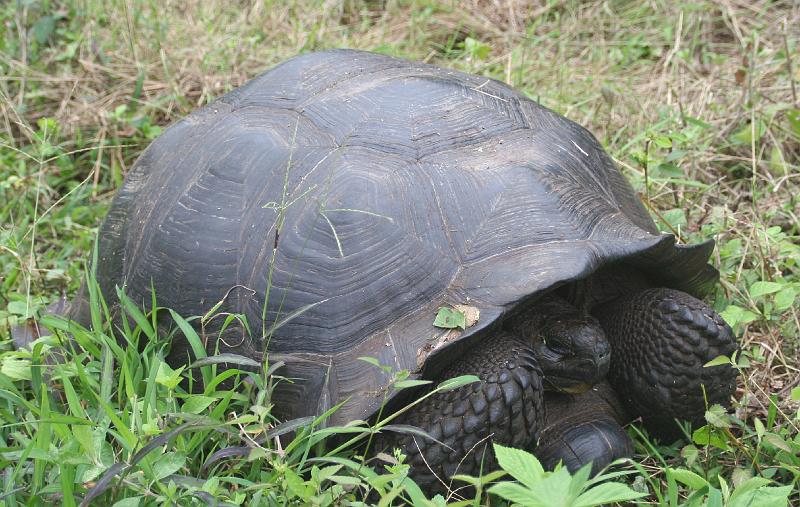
[571,346]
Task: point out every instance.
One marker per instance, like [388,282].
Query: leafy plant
[535,487]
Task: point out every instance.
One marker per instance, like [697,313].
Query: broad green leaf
[606,493]
[784,299]
[740,476]
[344,479]
[796,393]
[777,441]
[667,170]
[708,435]
[21,309]
[83,434]
[197,404]
[759,289]
[557,485]
[716,416]
[764,496]
[759,426]
[168,464]
[168,377]
[734,315]
[688,478]
[662,141]
[717,361]
[43,28]
[450,318]
[133,501]
[523,466]
[675,217]
[777,162]
[477,49]
[515,493]
[16,368]
[749,132]
[793,115]
[750,484]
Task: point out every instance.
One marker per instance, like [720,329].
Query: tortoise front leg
[505,407]
[583,428]
[660,340]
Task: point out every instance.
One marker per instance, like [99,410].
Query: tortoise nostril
[602,349]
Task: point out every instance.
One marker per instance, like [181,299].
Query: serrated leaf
[523,466]
[762,288]
[515,493]
[607,493]
[450,318]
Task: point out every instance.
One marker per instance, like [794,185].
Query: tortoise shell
[341,198]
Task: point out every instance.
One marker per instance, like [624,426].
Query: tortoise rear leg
[583,428]
[505,407]
[660,340]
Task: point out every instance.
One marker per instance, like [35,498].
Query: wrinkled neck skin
[571,347]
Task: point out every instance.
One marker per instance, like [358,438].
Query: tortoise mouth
[566,385]
[570,374]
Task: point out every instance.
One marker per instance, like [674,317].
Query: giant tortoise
[339,200]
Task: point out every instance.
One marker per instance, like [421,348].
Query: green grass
[697,102]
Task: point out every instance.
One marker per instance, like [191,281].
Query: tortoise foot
[581,429]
